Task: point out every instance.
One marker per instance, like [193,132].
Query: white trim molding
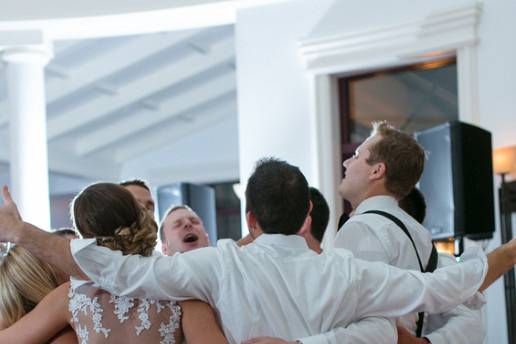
[171,18]
[467,78]
[421,39]
[325,147]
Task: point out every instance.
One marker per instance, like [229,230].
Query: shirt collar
[377,203]
[76,283]
[291,241]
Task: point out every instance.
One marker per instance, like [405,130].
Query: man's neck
[369,194]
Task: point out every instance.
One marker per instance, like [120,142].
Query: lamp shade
[504,160]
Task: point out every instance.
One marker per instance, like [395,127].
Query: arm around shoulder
[67,336]
[200,324]
[364,331]
[44,322]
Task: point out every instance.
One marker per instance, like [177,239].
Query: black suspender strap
[402,226]
[432,261]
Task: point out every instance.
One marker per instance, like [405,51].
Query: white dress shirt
[373,237]
[277,287]
[376,238]
[461,325]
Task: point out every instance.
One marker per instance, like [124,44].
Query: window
[412,98]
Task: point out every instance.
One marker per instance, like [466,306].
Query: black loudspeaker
[457,181]
[200,198]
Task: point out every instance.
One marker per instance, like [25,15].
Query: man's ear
[307,225]
[164,248]
[379,171]
[250,219]
[252,224]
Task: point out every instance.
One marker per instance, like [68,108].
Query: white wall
[272,87]
[274,103]
[497,71]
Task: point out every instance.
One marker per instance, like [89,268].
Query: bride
[110,214]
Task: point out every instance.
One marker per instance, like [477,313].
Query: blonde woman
[24,282]
[110,214]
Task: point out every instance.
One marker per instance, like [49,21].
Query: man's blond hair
[403,157]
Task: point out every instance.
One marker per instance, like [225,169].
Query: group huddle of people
[382,283]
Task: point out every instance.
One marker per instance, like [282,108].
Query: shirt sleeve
[384,290]
[364,331]
[179,277]
[364,242]
[461,325]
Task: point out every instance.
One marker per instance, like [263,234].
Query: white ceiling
[54,9]
[113,100]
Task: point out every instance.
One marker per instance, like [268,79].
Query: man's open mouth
[190,237]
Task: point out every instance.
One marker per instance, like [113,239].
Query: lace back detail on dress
[99,317]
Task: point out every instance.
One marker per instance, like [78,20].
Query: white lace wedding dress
[99,317]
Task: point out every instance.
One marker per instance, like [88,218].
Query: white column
[326,147]
[28,134]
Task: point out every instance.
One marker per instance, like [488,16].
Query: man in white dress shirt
[274,286]
[384,169]
[462,324]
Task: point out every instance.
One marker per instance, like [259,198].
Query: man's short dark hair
[414,204]
[137,182]
[169,211]
[320,214]
[277,194]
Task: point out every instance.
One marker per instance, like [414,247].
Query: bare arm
[66,336]
[46,320]
[200,324]
[52,249]
[501,260]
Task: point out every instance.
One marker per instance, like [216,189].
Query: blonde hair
[24,281]
[402,155]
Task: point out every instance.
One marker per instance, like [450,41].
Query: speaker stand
[507,193]
[458,246]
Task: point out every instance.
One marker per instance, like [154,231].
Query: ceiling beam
[110,134]
[109,63]
[209,172]
[140,89]
[64,46]
[90,167]
[66,162]
[115,60]
[170,133]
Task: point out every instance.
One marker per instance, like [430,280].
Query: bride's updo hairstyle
[109,213]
